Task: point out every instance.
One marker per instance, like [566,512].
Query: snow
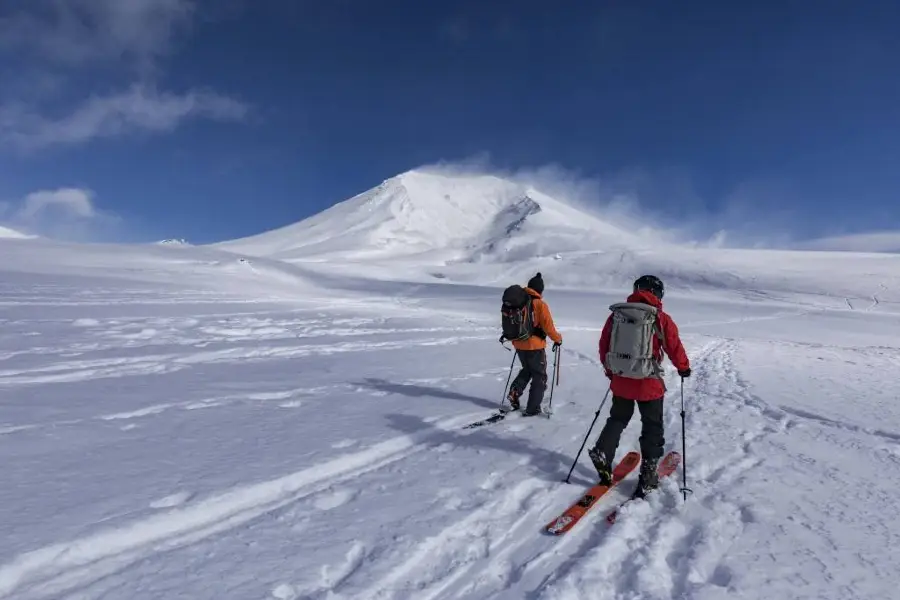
[7,233]
[480,229]
[874,241]
[435,219]
[218,422]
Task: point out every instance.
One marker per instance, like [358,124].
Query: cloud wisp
[75,32]
[50,41]
[68,214]
[138,109]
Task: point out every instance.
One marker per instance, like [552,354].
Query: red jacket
[646,389]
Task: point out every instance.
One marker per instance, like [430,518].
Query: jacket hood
[533,292]
[645,297]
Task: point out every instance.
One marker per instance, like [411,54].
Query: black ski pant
[534,370]
[652,436]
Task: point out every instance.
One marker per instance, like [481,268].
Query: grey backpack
[634,326]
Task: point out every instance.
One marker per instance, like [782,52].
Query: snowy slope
[7,233]
[179,421]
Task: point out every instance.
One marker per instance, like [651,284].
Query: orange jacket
[542,320]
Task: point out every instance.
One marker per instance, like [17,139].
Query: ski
[665,468]
[494,418]
[570,517]
[502,414]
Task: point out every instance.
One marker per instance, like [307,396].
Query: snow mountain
[485,230]
[439,219]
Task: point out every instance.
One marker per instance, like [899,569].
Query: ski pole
[684,488]
[554,380]
[558,361]
[596,415]
[511,365]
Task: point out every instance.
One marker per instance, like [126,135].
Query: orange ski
[573,514]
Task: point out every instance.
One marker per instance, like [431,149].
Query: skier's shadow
[421,391]
[552,465]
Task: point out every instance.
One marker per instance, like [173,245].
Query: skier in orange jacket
[532,352]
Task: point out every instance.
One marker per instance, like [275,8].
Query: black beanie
[537,283]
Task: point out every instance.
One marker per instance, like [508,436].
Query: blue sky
[209,120]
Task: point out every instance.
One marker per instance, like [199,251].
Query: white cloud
[57,41]
[72,202]
[63,213]
[77,31]
[140,108]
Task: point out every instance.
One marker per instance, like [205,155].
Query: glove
[556,346]
[608,375]
[685,373]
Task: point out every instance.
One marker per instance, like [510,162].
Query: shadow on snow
[552,465]
[421,391]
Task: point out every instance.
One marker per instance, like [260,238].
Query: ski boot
[513,398]
[648,478]
[604,470]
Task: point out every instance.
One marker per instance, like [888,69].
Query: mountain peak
[437,218]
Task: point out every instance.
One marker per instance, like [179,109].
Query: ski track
[477,556]
[663,548]
[62,567]
[621,551]
[75,371]
[641,556]
[289,396]
[442,560]
[486,555]
[331,578]
[657,549]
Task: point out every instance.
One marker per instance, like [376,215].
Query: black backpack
[516,314]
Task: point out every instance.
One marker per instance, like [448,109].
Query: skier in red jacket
[647,392]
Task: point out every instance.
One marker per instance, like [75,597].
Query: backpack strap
[662,340]
[536,329]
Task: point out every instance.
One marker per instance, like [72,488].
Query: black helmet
[652,284]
